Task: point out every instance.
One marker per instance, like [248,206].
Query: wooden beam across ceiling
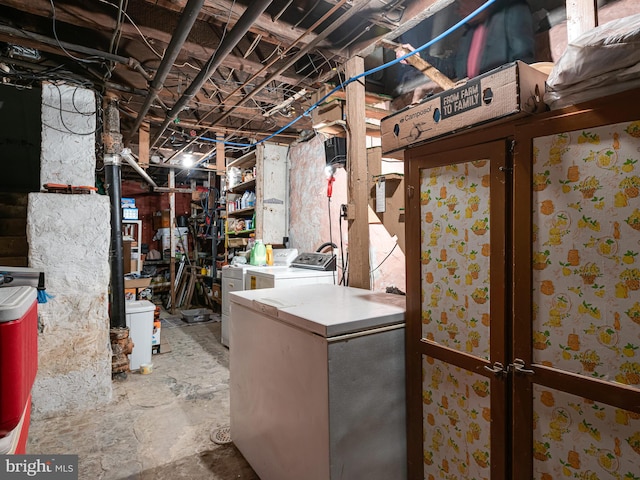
[221,10]
[154,23]
[416,12]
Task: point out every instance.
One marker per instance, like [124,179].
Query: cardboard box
[126,255]
[130,294]
[137,282]
[513,90]
[235,242]
[161,220]
[155,337]
[199,193]
[327,113]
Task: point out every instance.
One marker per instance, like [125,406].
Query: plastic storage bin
[18,357]
[196,315]
[140,322]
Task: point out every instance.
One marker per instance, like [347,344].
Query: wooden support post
[221,164]
[221,168]
[358,191]
[582,15]
[143,145]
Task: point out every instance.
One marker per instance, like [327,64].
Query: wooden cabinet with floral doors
[456,276]
[577,285]
[525,364]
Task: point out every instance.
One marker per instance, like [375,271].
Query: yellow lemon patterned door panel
[457,412]
[574,437]
[455,246]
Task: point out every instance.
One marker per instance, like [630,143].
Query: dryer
[287,277]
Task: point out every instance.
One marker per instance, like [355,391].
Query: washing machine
[233,280]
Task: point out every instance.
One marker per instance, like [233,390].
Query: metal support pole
[112,140]
[113,178]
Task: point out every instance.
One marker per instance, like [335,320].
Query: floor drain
[221,436]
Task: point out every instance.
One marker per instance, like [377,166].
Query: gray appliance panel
[367,413]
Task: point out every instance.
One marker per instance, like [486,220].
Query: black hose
[325,245]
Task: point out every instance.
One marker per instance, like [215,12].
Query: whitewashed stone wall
[68,135]
[309,218]
[69,238]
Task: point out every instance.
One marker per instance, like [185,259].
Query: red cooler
[18,364]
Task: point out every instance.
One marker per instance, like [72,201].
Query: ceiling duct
[130,159]
[187,19]
[250,15]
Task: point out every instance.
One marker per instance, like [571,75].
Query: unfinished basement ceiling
[241,70]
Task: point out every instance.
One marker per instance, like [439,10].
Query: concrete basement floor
[158,426]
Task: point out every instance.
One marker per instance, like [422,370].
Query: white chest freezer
[271,277]
[317,382]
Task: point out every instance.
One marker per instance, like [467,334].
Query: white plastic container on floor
[140,322]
